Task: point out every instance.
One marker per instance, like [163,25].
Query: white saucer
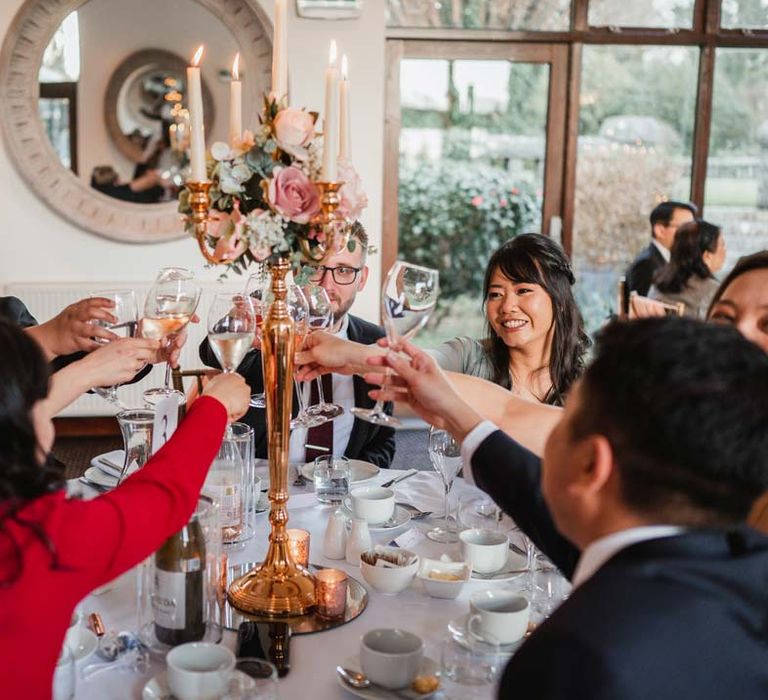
[428,668]
[359,470]
[95,475]
[81,642]
[157,688]
[459,631]
[117,457]
[516,565]
[400,517]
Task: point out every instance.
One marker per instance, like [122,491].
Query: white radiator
[45,300]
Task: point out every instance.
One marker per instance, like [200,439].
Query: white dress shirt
[344,395]
[665,253]
[597,552]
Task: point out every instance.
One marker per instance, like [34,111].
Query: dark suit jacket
[640,273]
[671,618]
[369,442]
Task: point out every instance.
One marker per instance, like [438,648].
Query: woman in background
[698,253]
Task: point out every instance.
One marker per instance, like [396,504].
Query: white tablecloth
[313,657]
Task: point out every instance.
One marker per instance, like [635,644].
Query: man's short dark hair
[684,405]
[663,213]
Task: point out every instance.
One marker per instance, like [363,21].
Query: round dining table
[313,657]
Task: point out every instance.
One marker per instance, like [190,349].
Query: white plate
[157,688]
[82,643]
[361,471]
[400,517]
[99,477]
[428,668]
[516,565]
[116,457]
[458,629]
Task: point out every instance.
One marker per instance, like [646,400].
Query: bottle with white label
[224,484]
[178,595]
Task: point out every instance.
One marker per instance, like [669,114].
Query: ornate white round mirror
[87,126]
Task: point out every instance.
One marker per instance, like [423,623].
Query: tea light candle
[298,546]
[330,593]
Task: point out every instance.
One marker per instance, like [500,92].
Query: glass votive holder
[298,546]
[331,476]
[330,593]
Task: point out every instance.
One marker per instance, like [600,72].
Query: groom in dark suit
[640,499]
[666,218]
[343,275]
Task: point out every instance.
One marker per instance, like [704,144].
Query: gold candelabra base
[278,586]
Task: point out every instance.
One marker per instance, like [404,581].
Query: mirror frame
[64,192]
[128,66]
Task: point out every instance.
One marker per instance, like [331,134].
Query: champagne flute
[445,454]
[408,298]
[127,314]
[231,329]
[320,318]
[170,304]
[257,288]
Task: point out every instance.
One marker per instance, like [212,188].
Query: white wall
[36,245]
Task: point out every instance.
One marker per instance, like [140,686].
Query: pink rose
[477,200]
[353,197]
[292,194]
[294,127]
[228,229]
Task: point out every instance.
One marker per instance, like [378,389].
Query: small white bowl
[389,580]
[442,588]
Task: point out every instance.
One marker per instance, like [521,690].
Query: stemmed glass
[127,314]
[320,318]
[257,289]
[170,304]
[408,298]
[445,454]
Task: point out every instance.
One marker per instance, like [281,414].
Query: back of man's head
[684,406]
[664,212]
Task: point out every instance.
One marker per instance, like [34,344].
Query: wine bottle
[178,598]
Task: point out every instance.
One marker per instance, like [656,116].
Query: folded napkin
[425,491]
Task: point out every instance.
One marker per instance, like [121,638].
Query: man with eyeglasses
[666,218]
[342,276]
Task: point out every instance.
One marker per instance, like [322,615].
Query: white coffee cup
[374,504]
[485,550]
[199,670]
[498,616]
[391,658]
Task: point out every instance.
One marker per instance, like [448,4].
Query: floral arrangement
[263,194]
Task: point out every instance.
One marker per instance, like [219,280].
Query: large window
[664,99]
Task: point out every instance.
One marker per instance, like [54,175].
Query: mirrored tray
[357,600]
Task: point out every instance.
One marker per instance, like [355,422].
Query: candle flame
[344,67]
[236,67]
[198,55]
[332,54]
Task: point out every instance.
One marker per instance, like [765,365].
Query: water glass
[332,476]
[469,671]
[478,511]
[64,676]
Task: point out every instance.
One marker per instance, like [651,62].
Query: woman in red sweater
[54,550]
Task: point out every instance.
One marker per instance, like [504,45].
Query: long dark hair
[23,382]
[692,240]
[537,259]
[756,261]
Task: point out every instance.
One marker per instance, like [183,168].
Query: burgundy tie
[320,435]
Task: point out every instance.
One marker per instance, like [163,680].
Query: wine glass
[320,318]
[170,304]
[408,298]
[257,288]
[231,329]
[127,315]
[445,454]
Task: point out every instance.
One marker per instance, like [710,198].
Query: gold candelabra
[278,586]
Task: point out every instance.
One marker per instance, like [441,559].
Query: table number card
[409,539]
[166,421]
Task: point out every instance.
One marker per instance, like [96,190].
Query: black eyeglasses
[342,274]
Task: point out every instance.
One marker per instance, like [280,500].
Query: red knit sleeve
[110,534]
